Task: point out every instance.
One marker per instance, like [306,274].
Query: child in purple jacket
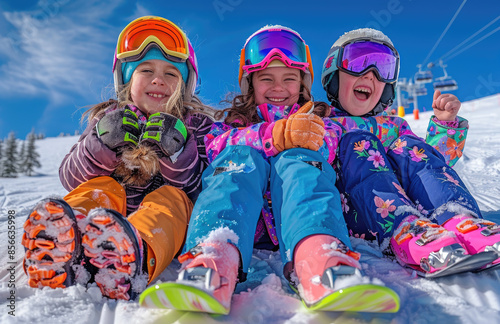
[132,176]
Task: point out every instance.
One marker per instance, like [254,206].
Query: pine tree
[9,157]
[20,157]
[1,154]
[31,157]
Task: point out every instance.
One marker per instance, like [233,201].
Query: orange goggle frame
[143,31]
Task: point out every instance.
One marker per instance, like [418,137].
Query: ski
[455,264]
[367,298]
[350,296]
[179,296]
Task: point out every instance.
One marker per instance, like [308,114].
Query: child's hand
[118,128]
[446,106]
[301,129]
[165,133]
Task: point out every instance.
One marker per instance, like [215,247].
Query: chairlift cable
[468,39]
[473,43]
[444,32]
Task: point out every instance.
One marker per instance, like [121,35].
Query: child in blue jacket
[270,149]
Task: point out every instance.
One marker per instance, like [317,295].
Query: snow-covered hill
[264,297]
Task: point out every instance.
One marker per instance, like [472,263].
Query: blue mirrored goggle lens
[261,44]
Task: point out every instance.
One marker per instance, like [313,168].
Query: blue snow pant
[379,189]
[304,199]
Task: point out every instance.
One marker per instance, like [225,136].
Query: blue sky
[56,55]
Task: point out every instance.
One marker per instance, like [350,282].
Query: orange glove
[302,129]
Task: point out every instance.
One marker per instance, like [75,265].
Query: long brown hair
[242,111]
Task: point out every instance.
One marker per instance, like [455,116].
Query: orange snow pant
[161,219]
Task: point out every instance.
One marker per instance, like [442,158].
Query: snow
[265,297]
[221,235]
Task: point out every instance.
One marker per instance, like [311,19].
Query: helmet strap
[387,98]
[332,92]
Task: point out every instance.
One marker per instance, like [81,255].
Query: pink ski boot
[478,235]
[432,250]
[315,259]
[215,266]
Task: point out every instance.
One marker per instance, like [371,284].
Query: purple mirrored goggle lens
[359,57]
[262,43]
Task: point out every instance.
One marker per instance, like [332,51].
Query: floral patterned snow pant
[379,188]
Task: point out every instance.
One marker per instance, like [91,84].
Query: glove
[301,129]
[118,128]
[165,133]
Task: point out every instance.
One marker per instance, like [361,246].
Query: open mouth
[276,100]
[362,93]
[156,95]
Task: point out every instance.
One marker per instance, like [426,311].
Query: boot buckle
[206,277]
[333,273]
[191,254]
[491,230]
[443,258]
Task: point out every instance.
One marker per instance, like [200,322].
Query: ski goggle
[361,56]
[266,46]
[143,31]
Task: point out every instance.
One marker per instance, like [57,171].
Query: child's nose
[278,85]
[369,75]
[158,81]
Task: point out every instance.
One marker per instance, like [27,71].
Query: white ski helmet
[330,76]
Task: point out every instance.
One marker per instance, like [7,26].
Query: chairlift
[446,85]
[422,91]
[402,86]
[423,76]
[446,82]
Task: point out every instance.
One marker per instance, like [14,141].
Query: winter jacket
[90,158]
[255,136]
[222,135]
[448,140]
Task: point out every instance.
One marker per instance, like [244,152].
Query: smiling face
[359,95]
[278,86]
[153,82]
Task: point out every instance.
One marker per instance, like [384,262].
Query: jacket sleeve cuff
[445,123]
[267,141]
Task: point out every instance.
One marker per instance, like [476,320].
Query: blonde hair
[177,105]
[243,113]
[139,163]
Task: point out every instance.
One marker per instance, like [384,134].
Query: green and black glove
[165,133]
[119,128]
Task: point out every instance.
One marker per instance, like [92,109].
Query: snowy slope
[468,298]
